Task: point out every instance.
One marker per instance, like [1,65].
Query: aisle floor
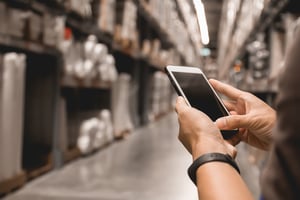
[148,165]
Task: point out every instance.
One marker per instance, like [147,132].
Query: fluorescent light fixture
[202,21]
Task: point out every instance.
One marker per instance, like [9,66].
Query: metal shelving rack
[45,78]
[266,18]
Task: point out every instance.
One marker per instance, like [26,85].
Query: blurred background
[86,110]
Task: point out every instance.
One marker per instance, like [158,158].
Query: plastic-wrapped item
[106,20]
[126,19]
[81,7]
[13,82]
[120,103]
[99,53]
[17,21]
[105,116]
[166,14]
[59,29]
[53,30]
[35,27]
[87,134]
[129,20]
[161,95]
[89,46]
[89,60]
[100,138]
[107,69]
[95,132]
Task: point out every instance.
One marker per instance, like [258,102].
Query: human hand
[254,118]
[198,133]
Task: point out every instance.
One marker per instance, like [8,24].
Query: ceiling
[213,10]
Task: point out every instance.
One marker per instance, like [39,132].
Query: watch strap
[210,157]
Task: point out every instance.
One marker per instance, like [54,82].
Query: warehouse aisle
[150,165]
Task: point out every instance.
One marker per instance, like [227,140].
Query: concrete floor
[149,165]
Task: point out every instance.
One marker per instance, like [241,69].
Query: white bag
[121,114]
[12,113]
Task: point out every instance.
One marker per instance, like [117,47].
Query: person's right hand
[254,118]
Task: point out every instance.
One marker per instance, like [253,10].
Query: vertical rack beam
[56,149]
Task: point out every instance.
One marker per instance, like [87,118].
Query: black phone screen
[199,94]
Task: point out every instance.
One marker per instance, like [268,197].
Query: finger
[233,113]
[232,122]
[225,89]
[231,149]
[180,105]
[230,105]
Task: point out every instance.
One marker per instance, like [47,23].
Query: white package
[105,116]
[106,19]
[120,96]
[95,132]
[12,113]
[16,25]
[87,134]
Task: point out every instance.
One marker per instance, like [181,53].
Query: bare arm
[218,180]
[215,180]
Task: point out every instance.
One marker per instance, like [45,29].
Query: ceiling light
[202,21]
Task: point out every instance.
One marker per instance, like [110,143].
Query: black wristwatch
[210,157]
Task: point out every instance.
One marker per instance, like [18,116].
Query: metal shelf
[162,34]
[69,82]
[265,20]
[34,47]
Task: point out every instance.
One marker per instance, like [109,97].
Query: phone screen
[200,95]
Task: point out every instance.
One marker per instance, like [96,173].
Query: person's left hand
[198,133]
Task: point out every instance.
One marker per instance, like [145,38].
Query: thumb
[180,105]
[232,122]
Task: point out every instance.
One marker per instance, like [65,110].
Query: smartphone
[193,86]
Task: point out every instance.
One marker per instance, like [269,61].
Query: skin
[200,135]
[254,118]
[204,137]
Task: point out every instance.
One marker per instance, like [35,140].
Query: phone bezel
[227,134]
[193,70]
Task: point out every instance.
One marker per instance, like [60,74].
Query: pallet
[71,154]
[36,172]
[12,184]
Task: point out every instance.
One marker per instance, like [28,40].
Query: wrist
[208,146]
[210,158]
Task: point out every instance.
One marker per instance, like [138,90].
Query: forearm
[217,180]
